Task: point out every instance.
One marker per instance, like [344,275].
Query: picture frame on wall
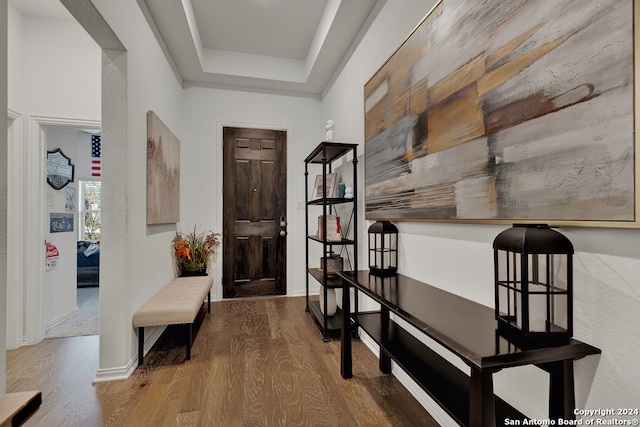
[508,120]
[318,189]
[163,172]
[69,199]
[61,222]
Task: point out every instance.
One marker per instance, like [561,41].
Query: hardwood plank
[255,362]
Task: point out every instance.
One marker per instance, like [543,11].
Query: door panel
[254,252]
[268,193]
[241,190]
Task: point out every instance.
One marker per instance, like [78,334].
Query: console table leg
[562,398]
[385,360]
[346,368]
[482,407]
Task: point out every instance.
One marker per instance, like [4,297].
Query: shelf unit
[324,155]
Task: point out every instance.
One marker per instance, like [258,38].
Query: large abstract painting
[496,111]
[163,172]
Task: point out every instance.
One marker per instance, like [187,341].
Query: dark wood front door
[255,200]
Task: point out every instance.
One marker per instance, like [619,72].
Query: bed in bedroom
[88,263]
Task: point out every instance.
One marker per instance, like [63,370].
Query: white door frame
[218,180]
[15,228]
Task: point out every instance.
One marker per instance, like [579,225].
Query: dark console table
[465,328]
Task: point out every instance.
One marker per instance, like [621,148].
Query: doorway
[254,212]
[71,281]
[27,292]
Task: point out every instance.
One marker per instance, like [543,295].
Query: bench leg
[189,338]
[209,302]
[140,345]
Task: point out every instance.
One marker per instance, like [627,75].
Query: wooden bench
[178,303]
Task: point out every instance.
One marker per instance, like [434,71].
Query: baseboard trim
[115,374]
[122,373]
[301,293]
[62,318]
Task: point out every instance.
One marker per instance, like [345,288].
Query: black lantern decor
[534,285]
[383,248]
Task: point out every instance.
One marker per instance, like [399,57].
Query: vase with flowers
[192,251]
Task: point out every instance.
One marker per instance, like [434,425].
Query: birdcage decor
[383,249]
[533,269]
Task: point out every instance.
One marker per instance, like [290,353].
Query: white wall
[14,332]
[15,60]
[458,257]
[60,71]
[201,161]
[135,258]
[60,283]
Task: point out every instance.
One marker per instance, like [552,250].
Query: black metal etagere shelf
[324,155]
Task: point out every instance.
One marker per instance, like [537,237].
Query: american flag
[96,165]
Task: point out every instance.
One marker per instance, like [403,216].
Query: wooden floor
[255,362]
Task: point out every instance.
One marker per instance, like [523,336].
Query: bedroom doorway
[72,284]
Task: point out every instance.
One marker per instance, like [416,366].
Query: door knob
[283,233]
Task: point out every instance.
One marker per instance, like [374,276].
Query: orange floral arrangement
[193,250]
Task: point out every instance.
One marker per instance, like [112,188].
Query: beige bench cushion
[178,302]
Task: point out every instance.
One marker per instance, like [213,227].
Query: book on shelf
[333,228]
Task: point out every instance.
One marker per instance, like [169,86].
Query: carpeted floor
[84,322]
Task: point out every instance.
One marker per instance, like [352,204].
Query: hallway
[254,362]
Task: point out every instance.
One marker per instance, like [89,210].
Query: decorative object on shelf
[341,190]
[333,228]
[332,264]
[319,191]
[192,251]
[348,193]
[534,285]
[331,301]
[60,170]
[383,248]
[328,127]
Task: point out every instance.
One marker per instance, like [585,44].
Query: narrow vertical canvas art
[499,111]
[163,172]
